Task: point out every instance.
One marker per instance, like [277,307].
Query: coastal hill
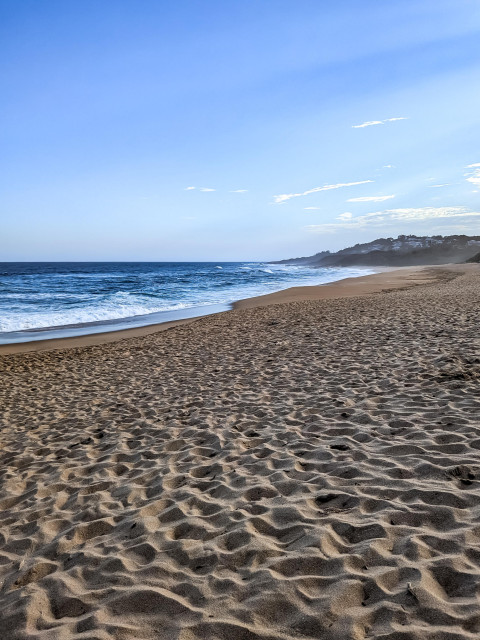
[402,251]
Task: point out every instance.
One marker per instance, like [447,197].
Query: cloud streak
[199,189]
[280,199]
[372,123]
[390,216]
[371,199]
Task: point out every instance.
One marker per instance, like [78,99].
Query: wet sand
[301,469]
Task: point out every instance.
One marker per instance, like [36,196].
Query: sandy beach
[386,278]
[306,465]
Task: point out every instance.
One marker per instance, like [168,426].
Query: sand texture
[301,470]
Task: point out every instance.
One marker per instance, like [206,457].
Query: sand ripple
[309,470]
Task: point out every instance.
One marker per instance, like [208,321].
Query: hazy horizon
[235,132]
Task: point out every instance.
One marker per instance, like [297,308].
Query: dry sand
[300,470]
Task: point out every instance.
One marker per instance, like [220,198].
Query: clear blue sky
[111,110]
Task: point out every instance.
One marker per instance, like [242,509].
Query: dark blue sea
[98,296]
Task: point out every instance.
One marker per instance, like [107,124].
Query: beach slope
[300,469]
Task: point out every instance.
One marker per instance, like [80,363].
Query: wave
[60,318]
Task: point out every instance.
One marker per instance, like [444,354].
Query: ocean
[51,299]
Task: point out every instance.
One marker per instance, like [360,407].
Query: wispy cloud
[372,123]
[199,189]
[473,175]
[371,199]
[311,208]
[280,199]
[345,216]
[239,191]
[437,186]
[391,216]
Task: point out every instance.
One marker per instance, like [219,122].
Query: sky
[235,129]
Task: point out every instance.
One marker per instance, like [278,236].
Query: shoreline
[386,278]
[282,472]
[81,329]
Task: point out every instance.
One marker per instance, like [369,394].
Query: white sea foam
[37,320]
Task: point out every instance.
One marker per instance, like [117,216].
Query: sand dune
[303,470]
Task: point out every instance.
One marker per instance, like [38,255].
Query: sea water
[85,297]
